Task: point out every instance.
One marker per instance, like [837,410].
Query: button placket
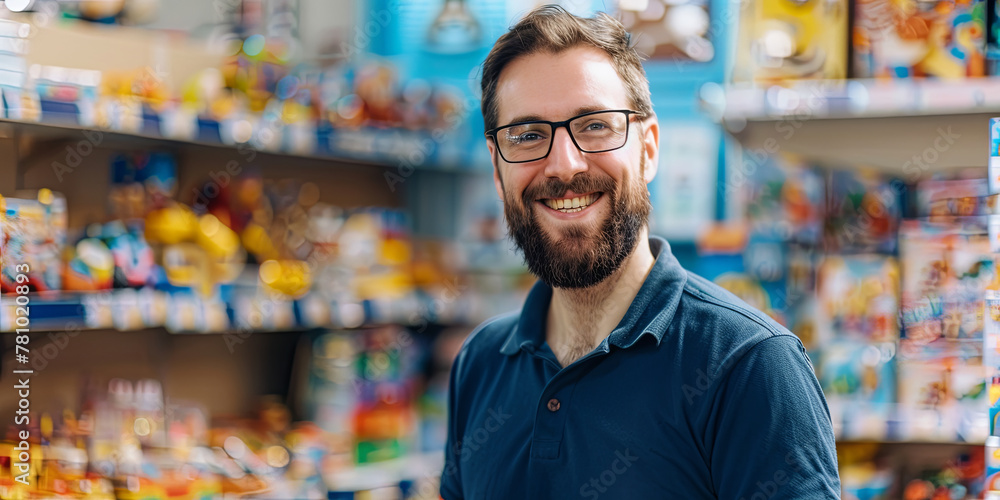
[550,420]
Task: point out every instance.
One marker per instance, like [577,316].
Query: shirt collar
[650,312]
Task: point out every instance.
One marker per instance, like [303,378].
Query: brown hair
[551,28]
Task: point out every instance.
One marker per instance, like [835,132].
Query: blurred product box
[785,200]
[993,38]
[786,39]
[947,269]
[942,383]
[858,297]
[863,212]
[33,238]
[853,371]
[753,272]
[912,38]
[943,199]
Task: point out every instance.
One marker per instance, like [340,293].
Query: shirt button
[553,404]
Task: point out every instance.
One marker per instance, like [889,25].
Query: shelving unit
[109,334]
[877,124]
[366,147]
[907,130]
[131,310]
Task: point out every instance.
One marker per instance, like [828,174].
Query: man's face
[573,247]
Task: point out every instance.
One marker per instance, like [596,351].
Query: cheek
[517,179]
[619,165]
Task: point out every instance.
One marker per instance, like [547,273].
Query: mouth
[572,204]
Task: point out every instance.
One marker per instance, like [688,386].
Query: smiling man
[623,375]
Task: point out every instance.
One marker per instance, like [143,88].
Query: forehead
[553,87]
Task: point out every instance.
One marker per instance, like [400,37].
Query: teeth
[571,205]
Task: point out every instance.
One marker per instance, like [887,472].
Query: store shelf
[365,477]
[243,311]
[915,442]
[365,146]
[904,128]
[841,99]
[894,423]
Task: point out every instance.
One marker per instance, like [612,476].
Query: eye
[526,137]
[593,126]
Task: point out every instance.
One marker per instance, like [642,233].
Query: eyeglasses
[594,132]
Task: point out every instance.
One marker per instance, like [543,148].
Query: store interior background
[259,230]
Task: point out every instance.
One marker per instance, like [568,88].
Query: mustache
[556,188]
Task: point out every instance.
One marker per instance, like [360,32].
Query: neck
[580,318]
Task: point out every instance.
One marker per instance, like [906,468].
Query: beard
[580,255]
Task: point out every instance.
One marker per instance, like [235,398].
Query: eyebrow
[534,118]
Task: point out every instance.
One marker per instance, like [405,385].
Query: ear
[651,147]
[497,181]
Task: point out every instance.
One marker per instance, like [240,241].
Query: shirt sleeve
[771,428]
[451,478]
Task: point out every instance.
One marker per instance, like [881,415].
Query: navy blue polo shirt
[694,395]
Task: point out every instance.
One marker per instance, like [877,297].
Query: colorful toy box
[858,297]
[863,212]
[946,271]
[911,38]
[787,39]
[858,371]
[34,234]
[785,200]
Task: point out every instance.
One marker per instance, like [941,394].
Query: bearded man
[623,375]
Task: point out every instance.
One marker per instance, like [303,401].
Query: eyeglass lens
[593,133]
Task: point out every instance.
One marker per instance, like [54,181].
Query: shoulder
[486,340]
[491,334]
[705,297]
[720,326]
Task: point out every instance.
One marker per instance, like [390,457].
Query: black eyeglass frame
[492,133]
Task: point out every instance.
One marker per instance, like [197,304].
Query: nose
[564,160]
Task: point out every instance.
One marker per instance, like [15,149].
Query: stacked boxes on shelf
[913,38]
[887,307]
[780,40]
[857,302]
[991,320]
[887,302]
